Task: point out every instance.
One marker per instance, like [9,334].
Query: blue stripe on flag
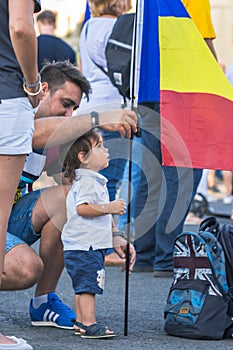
[174,8]
[149,81]
[87,14]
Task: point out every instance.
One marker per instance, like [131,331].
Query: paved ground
[147,297]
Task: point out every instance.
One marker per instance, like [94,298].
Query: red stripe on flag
[196,130]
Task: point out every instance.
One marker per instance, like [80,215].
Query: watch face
[94,119]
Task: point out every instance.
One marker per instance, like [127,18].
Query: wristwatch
[94,119]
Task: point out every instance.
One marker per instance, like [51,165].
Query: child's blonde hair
[106,7]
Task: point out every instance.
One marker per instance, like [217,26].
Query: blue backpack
[199,304]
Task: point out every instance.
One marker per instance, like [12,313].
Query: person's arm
[120,247]
[200,13]
[209,42]
[54,131]
[119,242]
[93,210]
[24,42]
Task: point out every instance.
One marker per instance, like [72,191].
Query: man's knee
[22,268]
[50,206]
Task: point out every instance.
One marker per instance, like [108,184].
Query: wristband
[120,234]
[32,86]
[94,119]
[33,93]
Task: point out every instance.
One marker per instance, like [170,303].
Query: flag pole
[128,239]
[129,185]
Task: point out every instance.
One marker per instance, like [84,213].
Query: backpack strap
[224,235]
[211,225]
[226,240]
[215,250]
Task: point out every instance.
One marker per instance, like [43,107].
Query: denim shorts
[86,269]
[17,125]
[20,229]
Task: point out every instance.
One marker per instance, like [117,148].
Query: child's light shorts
[16,125]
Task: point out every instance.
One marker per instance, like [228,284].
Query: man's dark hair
[47,17]
[56,74]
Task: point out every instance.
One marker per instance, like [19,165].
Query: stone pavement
[147,298]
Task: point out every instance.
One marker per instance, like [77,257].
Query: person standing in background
[50,47]
[154,249]
[20,89]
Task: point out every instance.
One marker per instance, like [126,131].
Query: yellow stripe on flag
[187,64]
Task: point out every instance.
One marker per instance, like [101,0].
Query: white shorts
[16,125]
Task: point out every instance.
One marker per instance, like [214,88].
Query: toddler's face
[98,157]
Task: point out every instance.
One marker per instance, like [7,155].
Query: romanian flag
[177,69]
[87,14]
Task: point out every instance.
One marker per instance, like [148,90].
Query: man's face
[62,103]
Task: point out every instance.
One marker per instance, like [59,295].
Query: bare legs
[85,308]
[227,180]
[49,217]
[11,169]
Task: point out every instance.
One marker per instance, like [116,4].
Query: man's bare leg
[49,217]
[23,268]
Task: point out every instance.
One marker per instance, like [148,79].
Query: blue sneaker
[53,313]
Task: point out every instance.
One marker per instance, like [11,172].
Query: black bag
[199,304]
[200,207]
[118,53]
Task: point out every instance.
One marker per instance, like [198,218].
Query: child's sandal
[76,327]
[95,331]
